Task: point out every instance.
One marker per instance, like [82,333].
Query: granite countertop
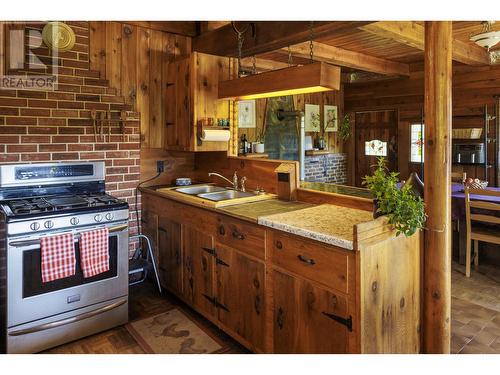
[337,189]
[252,211]
[326,223]
[244,211]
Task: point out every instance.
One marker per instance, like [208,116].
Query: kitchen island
[278,275]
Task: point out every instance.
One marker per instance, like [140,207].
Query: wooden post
[437,168]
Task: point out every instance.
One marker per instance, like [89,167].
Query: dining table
[458,212]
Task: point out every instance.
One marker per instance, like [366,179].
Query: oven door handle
[63,322]
[24,243]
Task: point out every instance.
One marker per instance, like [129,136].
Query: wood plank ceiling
[392,41]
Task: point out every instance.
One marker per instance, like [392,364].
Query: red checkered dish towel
[94,252]
[58,257]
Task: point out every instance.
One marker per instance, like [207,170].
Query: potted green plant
[258,145]
[345,127]
[403,208]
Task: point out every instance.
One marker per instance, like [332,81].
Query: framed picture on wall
[246,114]
[312,118]
[331,118]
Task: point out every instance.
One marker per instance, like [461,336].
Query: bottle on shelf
[243,144]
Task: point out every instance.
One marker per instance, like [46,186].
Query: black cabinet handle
[279,245]
[178,257]
[162,230]
[210,299]
[221,262]
[309,261]
[256,304]
[209,250]
[220,305]
[280,318]
[347,322]
[222,230]
[238,235]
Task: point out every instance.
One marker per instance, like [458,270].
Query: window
[375,148]
[417,143]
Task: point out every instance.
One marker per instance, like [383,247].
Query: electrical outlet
[160,166]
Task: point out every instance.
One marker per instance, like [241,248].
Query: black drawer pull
[347,322]
[309,261]
[238,235]
[279,245]
[280,318]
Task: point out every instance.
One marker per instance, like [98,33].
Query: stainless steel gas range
[39,200]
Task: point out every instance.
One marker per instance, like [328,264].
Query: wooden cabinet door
[199,271]
[303,320]
[178,113]
[240,295]
[170,254]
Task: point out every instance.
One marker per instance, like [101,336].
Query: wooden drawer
[240,235]
[322,263]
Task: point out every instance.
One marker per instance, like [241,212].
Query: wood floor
[144,301]
[475,316]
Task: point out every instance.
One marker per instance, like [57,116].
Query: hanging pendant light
[315,77]
[293,80]
[486,38]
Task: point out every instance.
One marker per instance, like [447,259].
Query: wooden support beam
[350,59]
[412,34]
[437,187]
[262,65]
[266,36]
[187,28]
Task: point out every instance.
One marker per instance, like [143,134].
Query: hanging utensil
[93,115]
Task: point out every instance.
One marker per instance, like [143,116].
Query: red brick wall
[42,126]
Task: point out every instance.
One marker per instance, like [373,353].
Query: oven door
[30,299]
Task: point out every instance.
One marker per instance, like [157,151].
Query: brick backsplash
[326,168]
[44,126]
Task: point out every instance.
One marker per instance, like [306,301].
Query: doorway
[376,135]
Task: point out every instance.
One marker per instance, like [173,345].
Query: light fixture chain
[239,33]
[290,62]
[240,47]
[311,46]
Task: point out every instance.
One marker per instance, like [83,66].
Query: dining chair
[487,230]
[457,177]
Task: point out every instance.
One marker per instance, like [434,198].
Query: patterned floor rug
[172,332]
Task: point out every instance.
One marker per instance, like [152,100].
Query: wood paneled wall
[134,58]
[326,98]
[473,88]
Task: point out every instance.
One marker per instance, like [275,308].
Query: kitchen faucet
[234,182]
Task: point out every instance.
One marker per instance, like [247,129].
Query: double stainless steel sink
[215,193]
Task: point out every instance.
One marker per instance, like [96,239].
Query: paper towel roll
[215,135]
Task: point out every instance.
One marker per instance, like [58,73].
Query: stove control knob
[98,218]
[48,224]
[74,221]
[109,216]
[35,226]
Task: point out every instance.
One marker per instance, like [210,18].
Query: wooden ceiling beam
[412,34]
[350,59]
[267,36]
[262,65]
[187,28]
